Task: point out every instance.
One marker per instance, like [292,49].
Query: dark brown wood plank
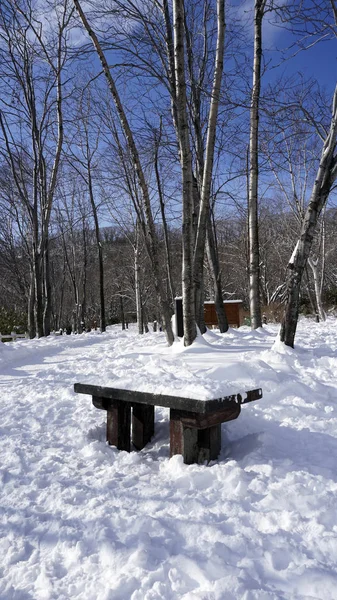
[215,441]
[176,402]
[199,421]
[103,403]
[176,433]
[195,445]
[209,443]
[191,448]
[119,426]
[142,425]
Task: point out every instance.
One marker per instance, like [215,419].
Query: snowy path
[81,520]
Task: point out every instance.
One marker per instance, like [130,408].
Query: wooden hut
[233,310]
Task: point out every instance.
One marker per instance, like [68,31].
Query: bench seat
[195,425]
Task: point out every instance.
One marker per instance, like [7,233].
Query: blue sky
[320,62]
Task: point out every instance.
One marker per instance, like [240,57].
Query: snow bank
[81,520]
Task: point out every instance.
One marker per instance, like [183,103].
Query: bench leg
[142,425]
[209,442]
[119,426]
[196,445]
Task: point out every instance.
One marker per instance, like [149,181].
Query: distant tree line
[75,291]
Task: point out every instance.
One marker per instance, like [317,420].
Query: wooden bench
[13,336]
[195,425]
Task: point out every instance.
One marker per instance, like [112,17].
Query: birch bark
[313,264]
[187,174]
[139,310]
[325,178]
[253,227]
[203,231]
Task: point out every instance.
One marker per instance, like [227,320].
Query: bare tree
[253,225]
[32,65]
[84,158]
[148,225]
[205,160]
[186,170]
[181,68]
[161,196]
[72,214]
[292,159]
[324,180]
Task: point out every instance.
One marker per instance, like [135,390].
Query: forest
[164,148]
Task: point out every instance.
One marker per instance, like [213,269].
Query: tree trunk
[79,327]
[38,286]
[47,291]
[31,302]
[325,178]
[99,246]
[206,171]
[137,285]
[253,225]
[314,269]
[200,307]
[121,305]
[60,315]
[213,263]
[199,287]
[311,298]
[163,216]
[101,287]
[145,320]
[202,181]
[84,277]
[187,175]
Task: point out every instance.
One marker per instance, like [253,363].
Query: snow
[82,520]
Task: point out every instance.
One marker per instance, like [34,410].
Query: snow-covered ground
[82,520]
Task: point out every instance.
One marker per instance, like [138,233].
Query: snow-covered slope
[81,520]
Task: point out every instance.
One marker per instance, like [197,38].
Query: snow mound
[83,521]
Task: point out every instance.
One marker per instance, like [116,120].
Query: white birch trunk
[313,264]
[204,209]
[253,225]
[139,311]
[187,174]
